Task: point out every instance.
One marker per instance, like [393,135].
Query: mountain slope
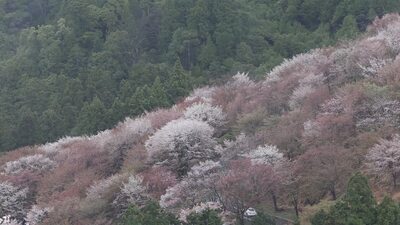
[287,141]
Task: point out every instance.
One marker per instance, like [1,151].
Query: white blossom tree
[383,159]
[204,93]
[205,112]
[37,214]
[199,208]
[240,80]
[307,85]
[267,154]
[34,163]
[103,187]
[13,200]
[391,35]
[195,188]
[373,67]
[181,144]
[232,149]
[132,192]
[6,220]
[310,62]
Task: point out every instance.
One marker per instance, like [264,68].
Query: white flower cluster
[301,63]
[267,154]
[307,85]
[34,163]
[373,67]
[99,188]
[37,214]
[194,188]
[55,147]
[12,200]
[205,112]
[134,190]
[391,35]
[384,158]
[191,140]
[205,94]
[199,208]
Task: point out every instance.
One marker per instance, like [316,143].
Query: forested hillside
[316,141]
[72,67]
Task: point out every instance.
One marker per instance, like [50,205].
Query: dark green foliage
[263,219]
[360,200]
[149,214]
[388,212]
[358,207]
[92,118]
[77,66]
[348,29]
[179,82]
[207,217]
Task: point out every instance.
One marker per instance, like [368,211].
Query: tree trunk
[296,206]
[275,201]
[240,217]
[394,180]
[333,193]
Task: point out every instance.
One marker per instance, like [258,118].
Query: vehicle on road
[250,212]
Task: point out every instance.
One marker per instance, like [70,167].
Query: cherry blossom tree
[193,189]
[204,94]
[157,180]
[383,160]
[13,200]
[391,35]
[307,85]
[8,221]
[37,214]
[270,156]
[233,149]
[181,144]
[34,163]
[311,62]
[267,154]
[205,112]
[99,189]
[324,170]
[184,213]
[132,192]
[240,80]
[244,185]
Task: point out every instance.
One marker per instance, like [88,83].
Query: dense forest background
[79,66]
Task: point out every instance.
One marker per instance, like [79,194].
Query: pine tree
[388,213]
[179,82]
[158,94]
[92,118]
[360,199]
[358,206]
[349,28]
